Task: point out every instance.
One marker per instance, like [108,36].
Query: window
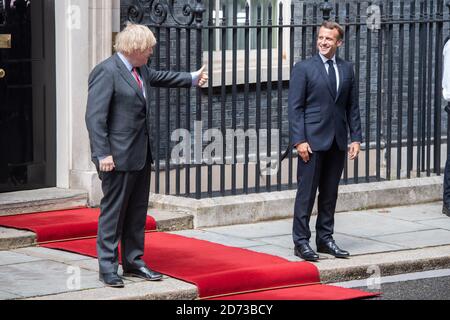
[226,6]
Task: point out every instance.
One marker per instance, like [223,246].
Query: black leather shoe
[143,273]
[111,280]
[446,210]
[305,252]
[333,249]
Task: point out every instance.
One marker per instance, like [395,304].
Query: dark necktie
[136,76]
[332,77]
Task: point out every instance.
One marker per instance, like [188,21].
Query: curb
[253,208]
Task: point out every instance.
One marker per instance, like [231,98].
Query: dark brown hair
[334,25]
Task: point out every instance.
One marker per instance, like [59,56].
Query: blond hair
[134,38]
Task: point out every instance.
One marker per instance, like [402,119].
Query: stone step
[41,200]
[165,221]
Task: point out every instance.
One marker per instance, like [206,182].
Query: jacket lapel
[341,77]
[126,75]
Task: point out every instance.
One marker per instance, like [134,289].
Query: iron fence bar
[234,97]
[357,78]
[347,58]
[246,94]
[187,166]
[379,101]
[430,86]
[389,93]
[420,92]
[199,51]
[269,95]
[157,115]
[178,107]
[368,100]
[258,96]
[167,114]
[411,57]
[210,93]
[291,65]
[400,92]
[280,95]
[223,101]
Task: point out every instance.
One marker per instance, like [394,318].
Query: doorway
[27,95]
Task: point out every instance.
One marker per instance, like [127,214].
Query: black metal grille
[250,54]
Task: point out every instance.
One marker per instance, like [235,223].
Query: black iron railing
[250,48]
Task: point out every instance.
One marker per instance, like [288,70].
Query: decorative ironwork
[326,9]
[158,11]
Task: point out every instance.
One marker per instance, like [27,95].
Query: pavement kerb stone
[388,264]
[253,208]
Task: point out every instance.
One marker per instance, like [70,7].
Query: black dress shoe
[446,210]
[333,249]
[111,280]
[305,252]
[143,273]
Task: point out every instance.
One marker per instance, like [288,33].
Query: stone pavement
[394,240]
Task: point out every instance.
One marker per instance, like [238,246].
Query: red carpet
[218,271]
[60,225]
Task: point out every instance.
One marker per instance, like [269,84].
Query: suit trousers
[123,217]
[323,172]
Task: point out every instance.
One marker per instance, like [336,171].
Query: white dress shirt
[325,59]
[446,78]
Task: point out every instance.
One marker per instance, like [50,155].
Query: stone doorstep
[41,200]
[166,221]
[331,271]
[253,208]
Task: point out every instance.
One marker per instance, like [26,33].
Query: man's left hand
[353,150]
[203,76]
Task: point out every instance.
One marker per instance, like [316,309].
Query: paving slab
[256,230]
[9,257]
[43,278]
[442,223]
[368,225]
[50,254]
[418,239]
[8,296]
[273,250]
[413,213]
[226,240]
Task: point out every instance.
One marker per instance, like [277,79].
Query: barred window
[225,8]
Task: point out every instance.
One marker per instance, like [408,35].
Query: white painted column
[83,38]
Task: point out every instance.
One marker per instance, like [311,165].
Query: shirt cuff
[100,158]
[195,78]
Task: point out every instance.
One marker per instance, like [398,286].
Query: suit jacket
[316,116]
[117,114]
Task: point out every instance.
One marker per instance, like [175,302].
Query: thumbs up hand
[202,76]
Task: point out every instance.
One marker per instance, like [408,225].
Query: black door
[27,95]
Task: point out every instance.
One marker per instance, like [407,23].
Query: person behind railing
[323,108]
[446,95]
[118,122]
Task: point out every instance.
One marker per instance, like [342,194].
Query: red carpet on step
[60,225]
[219,272]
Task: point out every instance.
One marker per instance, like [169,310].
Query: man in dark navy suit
[323,103]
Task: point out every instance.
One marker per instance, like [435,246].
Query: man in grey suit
[118,122]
